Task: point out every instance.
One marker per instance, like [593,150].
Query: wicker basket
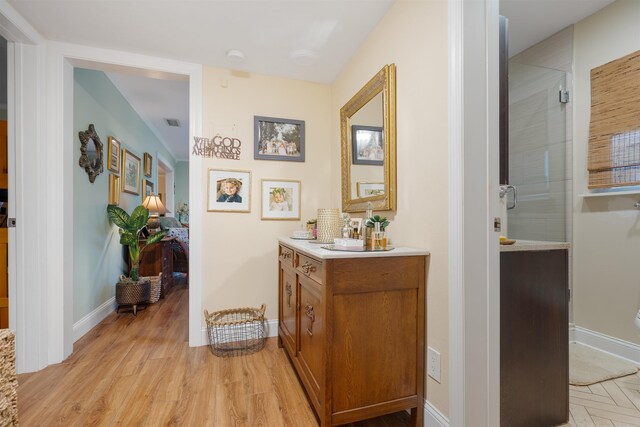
[237,331]
[8,380]
[156,287]
[132,293]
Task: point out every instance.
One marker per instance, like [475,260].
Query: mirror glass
[90,153]
[368,145]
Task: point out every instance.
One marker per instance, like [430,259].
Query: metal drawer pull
[288,289]
[286,255]
[307,267]
[311,317]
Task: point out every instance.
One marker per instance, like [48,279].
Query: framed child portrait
[229,191]
[148,162]
[367,145]
[114,189]
[280,199]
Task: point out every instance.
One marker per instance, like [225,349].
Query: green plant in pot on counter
[371,222]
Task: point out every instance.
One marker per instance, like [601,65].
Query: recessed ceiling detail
[235,56]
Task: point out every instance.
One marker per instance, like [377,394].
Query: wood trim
[345,417]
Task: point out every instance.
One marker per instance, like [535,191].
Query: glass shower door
[538,153]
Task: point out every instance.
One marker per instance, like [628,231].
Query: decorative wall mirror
[90,152]
[368,138]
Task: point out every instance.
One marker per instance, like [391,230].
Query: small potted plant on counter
[376,237]
[131,290]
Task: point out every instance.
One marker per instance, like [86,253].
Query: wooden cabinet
[356,334]
[534,338]
[156,259]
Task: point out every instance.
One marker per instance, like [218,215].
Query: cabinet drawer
[286,256]
[309,267]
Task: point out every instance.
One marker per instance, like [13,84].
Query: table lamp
[155,206]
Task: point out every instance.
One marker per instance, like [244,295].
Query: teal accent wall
[98,255]
[181,181]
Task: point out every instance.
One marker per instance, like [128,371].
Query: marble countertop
[533,245]
[314,249]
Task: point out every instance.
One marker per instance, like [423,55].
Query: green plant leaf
[128,239]
[139,218]
[118,216]
[154,238]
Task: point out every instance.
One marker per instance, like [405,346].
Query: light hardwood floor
[139,371]
[613,403]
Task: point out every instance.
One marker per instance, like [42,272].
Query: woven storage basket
[130,293]
[236,331]
[156,287]
[8,380]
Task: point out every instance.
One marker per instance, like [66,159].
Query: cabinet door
[288,302]
[311,337]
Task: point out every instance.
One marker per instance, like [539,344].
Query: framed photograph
[113,155]
[278,139]
[367,145]
[229,191]
[130,172]
[148,163]
[369,189]
[147,188]
[114,189]
[280,199]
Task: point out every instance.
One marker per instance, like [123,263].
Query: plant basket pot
[130,293]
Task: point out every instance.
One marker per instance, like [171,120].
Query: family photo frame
[367,145]
[280,200]
[228,191]
[370,189]
[278,139]
[130,172]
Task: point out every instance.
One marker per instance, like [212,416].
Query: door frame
[169,201]
[474,277]
[62,58]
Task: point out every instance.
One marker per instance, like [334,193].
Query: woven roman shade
[614,130]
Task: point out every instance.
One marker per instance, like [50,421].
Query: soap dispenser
[368,231]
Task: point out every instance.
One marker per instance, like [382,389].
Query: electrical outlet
[433,364]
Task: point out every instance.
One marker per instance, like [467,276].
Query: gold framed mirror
[368,145]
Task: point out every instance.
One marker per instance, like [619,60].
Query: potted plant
[131,290]
[371,241]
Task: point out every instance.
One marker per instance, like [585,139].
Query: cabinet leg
[417,417]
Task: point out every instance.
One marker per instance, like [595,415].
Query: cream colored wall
[240,250]
[413,35]
[606,235]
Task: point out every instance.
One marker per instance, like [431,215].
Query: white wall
[606,276]
[240,265]
[413,35]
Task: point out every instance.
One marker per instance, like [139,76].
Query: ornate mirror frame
[93,168]
[384,81]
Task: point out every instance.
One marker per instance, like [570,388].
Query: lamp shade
[153,203]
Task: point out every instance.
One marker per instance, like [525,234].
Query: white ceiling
[269,32]
[531,21]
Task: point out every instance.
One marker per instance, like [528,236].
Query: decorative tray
[507,242]
[303,238]
[333,248]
